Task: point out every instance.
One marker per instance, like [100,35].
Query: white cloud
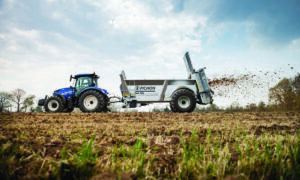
[10,1]
[134,16]
[171,34]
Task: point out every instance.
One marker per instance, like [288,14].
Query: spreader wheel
[183,100]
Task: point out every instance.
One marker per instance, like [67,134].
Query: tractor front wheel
[53,104]
[92,101]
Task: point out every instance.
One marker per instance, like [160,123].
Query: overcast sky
[43,42]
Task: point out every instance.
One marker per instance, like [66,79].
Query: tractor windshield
[84,82]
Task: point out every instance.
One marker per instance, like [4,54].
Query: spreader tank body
[182,94]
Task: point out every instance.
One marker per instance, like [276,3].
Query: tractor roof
[89,74]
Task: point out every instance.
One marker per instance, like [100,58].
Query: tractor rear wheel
[53,104]
[183,100]
[92,101]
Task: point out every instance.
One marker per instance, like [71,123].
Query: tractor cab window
[84,82]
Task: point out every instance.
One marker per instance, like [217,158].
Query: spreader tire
[183,100]
[92,101]
[54,104]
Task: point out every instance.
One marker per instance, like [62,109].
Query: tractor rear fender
[102,91]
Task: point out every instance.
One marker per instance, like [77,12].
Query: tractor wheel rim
[53,105]
[184,102]
[90,102]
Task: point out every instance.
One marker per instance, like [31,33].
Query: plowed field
[150,145]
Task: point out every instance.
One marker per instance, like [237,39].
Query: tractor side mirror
[71,77]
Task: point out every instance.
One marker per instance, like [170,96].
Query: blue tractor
[86,95]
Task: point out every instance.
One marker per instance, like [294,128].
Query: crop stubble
[41,137]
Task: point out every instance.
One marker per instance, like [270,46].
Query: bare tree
[18,97]
[4,100]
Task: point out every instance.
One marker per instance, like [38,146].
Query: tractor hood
[63,91]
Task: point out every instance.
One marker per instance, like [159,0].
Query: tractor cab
[83,81]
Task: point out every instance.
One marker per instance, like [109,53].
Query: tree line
[18,100]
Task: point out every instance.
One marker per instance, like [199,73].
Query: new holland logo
[66,92]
